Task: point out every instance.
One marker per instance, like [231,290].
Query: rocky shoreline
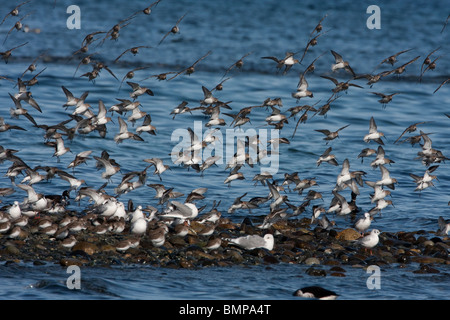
[296,242]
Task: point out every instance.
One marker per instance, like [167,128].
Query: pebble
[270,259]
[294,243]
[337,274]
[316,272]
[337,269]
[86,247]
[428,260]
[426,269]
[312,261]
[65,262]
[348,235]
[12,249]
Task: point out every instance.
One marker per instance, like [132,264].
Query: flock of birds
[108,214]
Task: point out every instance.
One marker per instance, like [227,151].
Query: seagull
[139,226]
[251,242]
[14,211]
[369,241]
[108,207]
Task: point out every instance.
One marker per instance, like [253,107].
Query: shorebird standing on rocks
[251,242]
[369,241]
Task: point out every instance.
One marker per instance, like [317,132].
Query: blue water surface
[230,30]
